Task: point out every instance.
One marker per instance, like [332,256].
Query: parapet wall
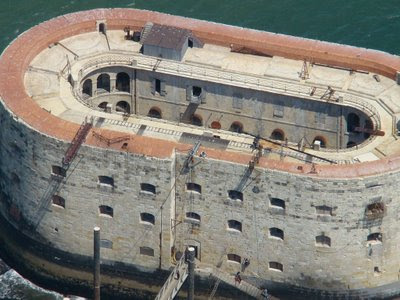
[19,54]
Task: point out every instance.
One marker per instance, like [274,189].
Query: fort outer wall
[64,236]
[355,191]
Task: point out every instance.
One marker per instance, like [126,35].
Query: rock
[3,267]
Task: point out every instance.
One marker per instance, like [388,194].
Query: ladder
[55,180]
[76,143]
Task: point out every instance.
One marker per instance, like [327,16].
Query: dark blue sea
[362,23]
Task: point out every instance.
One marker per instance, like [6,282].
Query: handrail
[264,83]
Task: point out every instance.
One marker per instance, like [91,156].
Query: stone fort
[168,132]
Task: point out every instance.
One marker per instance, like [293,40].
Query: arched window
[103,105]
[58,201]
[148,188]
[124,107]
[154,112]
[123,82]
[103,83]
[104,243]
[215,125]
[353,121]
[234,258]
[193,187]
[235,225]
[374,238]
[87,88]
[235,195]
[321,140]
[350,144]
[236,127]
[193,216]
[275,266]
[105,210]
[147,218]
[147,251]
[278,134]
[102,28]
[323,210]
[375,210]
[106,180]
[277,203]
[58,171]
[276,233]
[196,120]
[322,241]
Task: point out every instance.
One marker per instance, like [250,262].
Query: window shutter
[162,89]
[189,93]
[153,86]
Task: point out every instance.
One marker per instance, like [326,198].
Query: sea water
[364,23]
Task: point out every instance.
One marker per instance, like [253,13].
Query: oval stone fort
[273,156]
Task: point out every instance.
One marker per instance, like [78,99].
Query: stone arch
[123,83]
[350,144]
[124,107]
[87,88]
[103,83]
[196,120]
[278,134]
[353,121]
[103,105]
[215,125]
[155,112]
[236,127]
[321,139]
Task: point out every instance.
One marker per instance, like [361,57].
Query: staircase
[173,284]
[145,31]
[244,286]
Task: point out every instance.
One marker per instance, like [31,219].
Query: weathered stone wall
[258,112]
[350,261]
[348,264]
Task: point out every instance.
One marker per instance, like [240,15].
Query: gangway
[175,281]
[243,286]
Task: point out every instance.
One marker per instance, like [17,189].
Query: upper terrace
[50,72]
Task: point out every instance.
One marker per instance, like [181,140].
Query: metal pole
[96,258]
[190,260]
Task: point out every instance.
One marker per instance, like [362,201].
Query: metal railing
[206,72]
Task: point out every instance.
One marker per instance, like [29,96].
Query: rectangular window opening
[158,86]
[196,91]
[147,251]
[58,171]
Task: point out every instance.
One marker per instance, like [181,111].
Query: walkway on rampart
[19,55]
[88,52]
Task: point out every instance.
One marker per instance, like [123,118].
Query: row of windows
[372,210]
[321,240]
[273,265]
[147,251]
[103,84]
[103,180]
